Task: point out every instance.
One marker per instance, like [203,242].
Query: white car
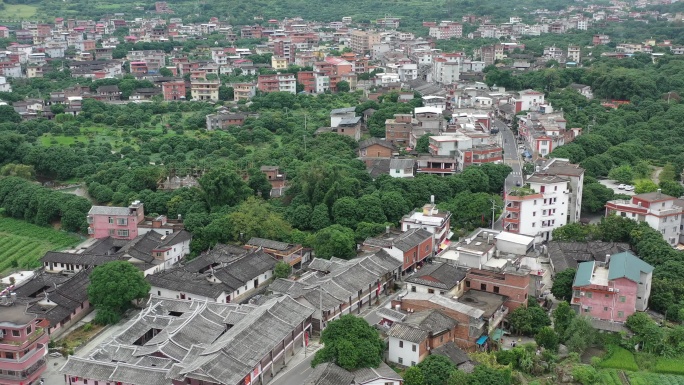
[621,186]
[629,188]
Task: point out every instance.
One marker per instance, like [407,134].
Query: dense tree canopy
[351,343]
[113,286]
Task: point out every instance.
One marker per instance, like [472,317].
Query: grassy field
[620,358]
[670,366]
[26,243]
[18,11]
[642,378]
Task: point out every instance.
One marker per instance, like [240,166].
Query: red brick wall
[514,286]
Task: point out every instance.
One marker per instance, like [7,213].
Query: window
[431,291]
[441,338]
[85,382]
[401,344]
[586,310]
[496,289]
[589,294]
[483,286]
[9,356]
[533,224]
[534,213]
[401,360]
[110,220]
[413,347]
[605,308]
[413,289]
[122,233]
[122,221]
[111,232]
[623,298]
[15,333]
[159,293]
[28,330]
[606,295]
[467,283]
[621,314]
[413,363]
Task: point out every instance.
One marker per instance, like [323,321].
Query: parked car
[621,186]
[629,187]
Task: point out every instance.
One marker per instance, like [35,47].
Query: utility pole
[493,212]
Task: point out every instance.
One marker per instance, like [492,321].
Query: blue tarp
[527,154]
[481,340]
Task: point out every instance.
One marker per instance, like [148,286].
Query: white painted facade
[403,352]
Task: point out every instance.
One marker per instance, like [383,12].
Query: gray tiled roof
[439,275]
[331,290]
[372,141]
[269,244]
[246,268]
[220,254]
[567,255]
[452,352]
[194,341]
[407,332]
[178,279]
[344,110]
[383,371]
[329,374]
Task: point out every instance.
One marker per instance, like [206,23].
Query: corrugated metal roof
[627,265]
[583,275]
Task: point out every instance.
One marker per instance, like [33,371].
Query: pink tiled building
[115,222]
[612,290]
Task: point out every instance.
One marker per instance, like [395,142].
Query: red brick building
[174,90]
[514,286]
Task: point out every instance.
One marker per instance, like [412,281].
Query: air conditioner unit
[610,289]
[581,294]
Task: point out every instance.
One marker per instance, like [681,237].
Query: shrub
[619,358]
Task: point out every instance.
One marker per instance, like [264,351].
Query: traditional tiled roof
[419,326]
[194,341]
[178,279]
[439,275]
[406,332]
[330,290]
[452,352]
[329,374]
[566,255]
[382,372]
[375,141]
[64,298]
[269,244]
[221,254]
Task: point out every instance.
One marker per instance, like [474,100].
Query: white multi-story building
[446,70]
[662,212]
[446,30]
[408,72]
[528,100]
[430,219]
[538,209]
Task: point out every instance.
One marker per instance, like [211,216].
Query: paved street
[511,155]
[295,375]
[511,158]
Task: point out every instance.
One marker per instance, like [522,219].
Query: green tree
[163,71]
[256,218]
[529,320]
[622,174]
[423,144]
[113,286]
[616,228]
[562,285]
[668,173]
[671,188]
[572,232]
[562,317]
[7,114]
[226,93]
[436,369]
[319,217]
[394,206]
[347,212]
[351,343]
[223,186]
[485,375]
[282,269]
[259,183]
[335,241]
[343,86]
[414,376]
[645,186]
[458,377]
[595,196]
[547,338]
[580,335]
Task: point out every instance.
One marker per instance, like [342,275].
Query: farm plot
[23,244]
